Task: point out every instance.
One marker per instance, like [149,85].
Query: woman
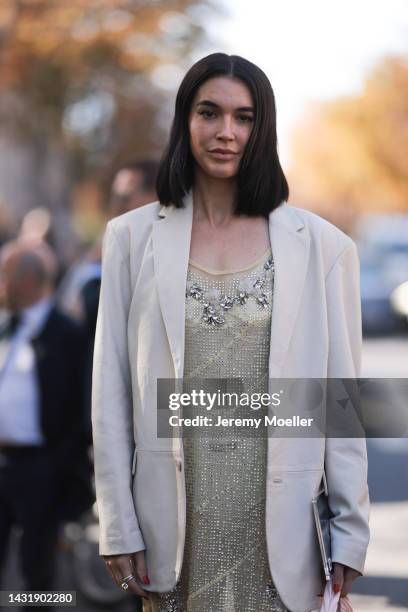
[188,286]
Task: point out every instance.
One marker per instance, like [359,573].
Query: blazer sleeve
[346,458]
[112,414]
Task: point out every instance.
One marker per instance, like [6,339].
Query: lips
[223,151]
[222,155]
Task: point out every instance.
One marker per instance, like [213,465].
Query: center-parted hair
[261,183]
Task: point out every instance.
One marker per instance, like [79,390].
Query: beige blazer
[315,332]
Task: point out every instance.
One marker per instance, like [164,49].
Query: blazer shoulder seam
[350,246]
[113,232]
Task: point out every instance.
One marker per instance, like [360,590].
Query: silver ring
[124,583]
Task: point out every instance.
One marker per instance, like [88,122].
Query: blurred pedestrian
[78,295]
[133,186]
[45,473]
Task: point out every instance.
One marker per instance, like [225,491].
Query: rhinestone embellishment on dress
[215,304]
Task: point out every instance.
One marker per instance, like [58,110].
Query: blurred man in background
[45,473]
[134,185]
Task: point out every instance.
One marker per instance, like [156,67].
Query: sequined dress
[227,334]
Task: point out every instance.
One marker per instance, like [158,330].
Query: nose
[226,131]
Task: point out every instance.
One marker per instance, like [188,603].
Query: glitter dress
[227,334]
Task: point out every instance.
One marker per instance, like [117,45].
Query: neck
[213,199]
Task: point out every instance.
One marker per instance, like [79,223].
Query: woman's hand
[121,566]
[343,578]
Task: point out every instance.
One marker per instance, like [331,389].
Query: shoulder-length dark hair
[261,183]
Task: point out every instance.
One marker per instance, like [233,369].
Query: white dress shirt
[19,388]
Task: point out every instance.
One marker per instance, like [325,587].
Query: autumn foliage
[349,155]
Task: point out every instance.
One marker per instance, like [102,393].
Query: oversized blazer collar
[290,242]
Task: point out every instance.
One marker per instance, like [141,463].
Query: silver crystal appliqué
[226,302]
[196,292]
[211,316]
[215,303]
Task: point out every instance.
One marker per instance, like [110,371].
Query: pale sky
[314,49]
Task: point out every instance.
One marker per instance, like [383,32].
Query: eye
[246,118]
[206,113]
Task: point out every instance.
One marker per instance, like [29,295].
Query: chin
[220,172]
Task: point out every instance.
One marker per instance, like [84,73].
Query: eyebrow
[214,105]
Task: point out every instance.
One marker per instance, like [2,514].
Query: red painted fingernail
[336,588]
[146,579]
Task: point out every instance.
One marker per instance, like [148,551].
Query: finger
[120,567]
[135,587]
[126,566]
[346,605]
[349,577]
[345,588]
[338,577]
[119,564]
[108,564]
[139,563]
[115,569]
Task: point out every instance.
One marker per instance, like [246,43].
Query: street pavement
[384,586]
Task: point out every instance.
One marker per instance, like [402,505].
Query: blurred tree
[85,85]
[350,155]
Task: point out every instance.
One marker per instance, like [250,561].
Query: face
[127,192]
[220,124]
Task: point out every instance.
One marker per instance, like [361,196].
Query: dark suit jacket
[61,354]
[90,301]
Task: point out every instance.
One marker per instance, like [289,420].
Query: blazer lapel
[290,242]
[171,246]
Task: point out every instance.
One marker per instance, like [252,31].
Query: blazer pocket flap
[134,462]
[324,479]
